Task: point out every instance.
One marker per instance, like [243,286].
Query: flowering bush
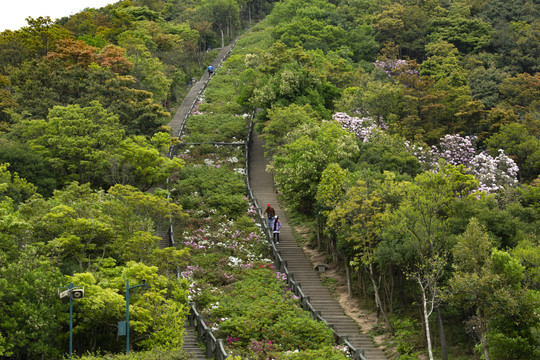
[364,128]
[216,156]
[264,317]
[455,149]
[494,173]
[221,127]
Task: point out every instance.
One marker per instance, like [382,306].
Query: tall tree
[472,282]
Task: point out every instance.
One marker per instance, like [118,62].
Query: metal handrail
[296,288]
[215,346]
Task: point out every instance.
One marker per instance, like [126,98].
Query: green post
[128,288]
[70,287]
[127,317]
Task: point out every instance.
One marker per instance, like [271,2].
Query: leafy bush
[324,353]
[406,337]
[259,315]
[215,128]
[211,188]
[175,354]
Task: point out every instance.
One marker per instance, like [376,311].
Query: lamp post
[128,294]
[72,292]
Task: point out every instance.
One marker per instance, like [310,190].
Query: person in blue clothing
[276,227]
[210,70]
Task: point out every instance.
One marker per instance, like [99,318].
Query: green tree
[32,317]
[139,163]
[154,312]
[298,167]
[28,164]
[421,220]
[42,34]
[472,283]
[458,27]
[225,15]
[282,120]
[13,186]
[75,142]
[359,218]
[521,146]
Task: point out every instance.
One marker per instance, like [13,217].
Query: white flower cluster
[364,128]
[494,173]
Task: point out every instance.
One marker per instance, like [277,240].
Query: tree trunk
[483,333]
[441,333]
[348,273]
[378,299]
[319,234]
[426,319]
[222,37]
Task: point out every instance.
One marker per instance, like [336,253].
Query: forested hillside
[406,134]
[403,134]
[84,104]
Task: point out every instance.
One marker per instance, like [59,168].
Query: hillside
[403,140]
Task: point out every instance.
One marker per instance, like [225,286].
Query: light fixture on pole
[72,292]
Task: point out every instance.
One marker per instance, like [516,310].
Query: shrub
[175,354]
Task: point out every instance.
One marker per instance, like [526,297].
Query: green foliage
[32,316]
[14,187]
[29,165]
[457,27]
[406,337]
[139,163]
[154,312]
[521,145]
[258,308]
[282,121]
[210,188]
[388,153]
[225,128]
[323,353]
[75,141]
[298,166]
[155,354]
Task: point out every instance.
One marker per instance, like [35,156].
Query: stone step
[191,345]
[298,263]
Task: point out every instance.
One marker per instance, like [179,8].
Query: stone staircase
[190,345]
[299,265]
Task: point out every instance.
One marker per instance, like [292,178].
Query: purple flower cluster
[231,340]
[261,346]
[188,273]
[281,276]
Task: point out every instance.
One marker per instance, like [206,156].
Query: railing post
[209,343]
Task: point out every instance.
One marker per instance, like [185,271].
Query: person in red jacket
[276,227]
[270,213]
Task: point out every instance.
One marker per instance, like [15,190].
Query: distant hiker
[210,70]
[276,227]
[270,213]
